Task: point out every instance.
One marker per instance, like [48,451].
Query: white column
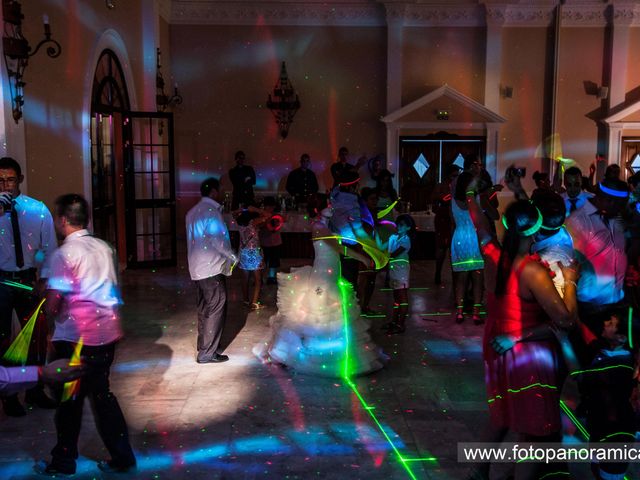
[491,159]
[393,157]
[493,57]
[150,42]
[615,144]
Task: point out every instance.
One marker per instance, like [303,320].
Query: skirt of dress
[523,388]
[318,329]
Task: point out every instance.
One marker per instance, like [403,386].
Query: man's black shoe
[39,399]
[12,407]
[217,358]
[110,467]
[44,468]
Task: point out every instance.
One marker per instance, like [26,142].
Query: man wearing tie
[574,197]
[27,239]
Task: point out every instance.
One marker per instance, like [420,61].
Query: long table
[296,235]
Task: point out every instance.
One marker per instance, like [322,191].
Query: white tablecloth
[299,222]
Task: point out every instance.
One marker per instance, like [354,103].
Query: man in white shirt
[29,220]
[83,298]
[211,259]
[574,196]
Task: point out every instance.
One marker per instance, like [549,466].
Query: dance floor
[246,420]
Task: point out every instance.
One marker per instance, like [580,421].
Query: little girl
[398,247]
[251,260]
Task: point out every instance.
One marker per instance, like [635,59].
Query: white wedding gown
[317,318]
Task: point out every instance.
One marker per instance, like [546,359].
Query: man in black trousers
[211,260]
[83,298]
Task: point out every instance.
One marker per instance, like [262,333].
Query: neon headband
[542,227]
[529,231]
[612,192]
[346,184]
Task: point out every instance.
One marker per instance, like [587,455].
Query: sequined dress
[465,250]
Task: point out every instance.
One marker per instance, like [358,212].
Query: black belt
[28,274]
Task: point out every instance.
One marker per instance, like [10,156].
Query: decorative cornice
[626,14]
[164,9]
[425,15]
[277,13]
[584,15]
[376,13]
[520,15]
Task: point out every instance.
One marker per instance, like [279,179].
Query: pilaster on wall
[493,60]
[395,25]
[623,17]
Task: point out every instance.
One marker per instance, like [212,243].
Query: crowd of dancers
[557,293]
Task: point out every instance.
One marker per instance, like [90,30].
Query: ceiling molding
[277,13]
[377,13]
[164,9]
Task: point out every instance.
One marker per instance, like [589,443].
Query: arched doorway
[109,102]
[133,172]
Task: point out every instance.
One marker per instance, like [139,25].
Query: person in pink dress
[522,354]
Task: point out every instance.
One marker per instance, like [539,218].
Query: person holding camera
[28,238]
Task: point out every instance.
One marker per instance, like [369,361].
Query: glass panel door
[150,193]
[425,160]
[103,173]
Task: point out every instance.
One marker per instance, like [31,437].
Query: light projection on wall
[635,164]
[421,165]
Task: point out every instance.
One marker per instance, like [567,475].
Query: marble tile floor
[246,420]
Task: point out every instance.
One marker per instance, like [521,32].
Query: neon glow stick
[384,213]
[378,256]
[71,388]
[9,283]
[630,331]
[19,349]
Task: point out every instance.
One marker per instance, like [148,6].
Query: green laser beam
[547,475]
[518,390]
[602,369]
[565,408]
[344,287]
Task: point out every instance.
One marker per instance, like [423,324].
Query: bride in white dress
[318,328]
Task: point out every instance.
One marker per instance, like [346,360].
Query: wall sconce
[286,102]
[17,51]
[110,4]
[506,91]
[442,114]
[164,101]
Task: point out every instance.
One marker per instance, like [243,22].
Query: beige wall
[523,69]
[435,56]
[633,66]
[225,75]
[579,132]
[57,92]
